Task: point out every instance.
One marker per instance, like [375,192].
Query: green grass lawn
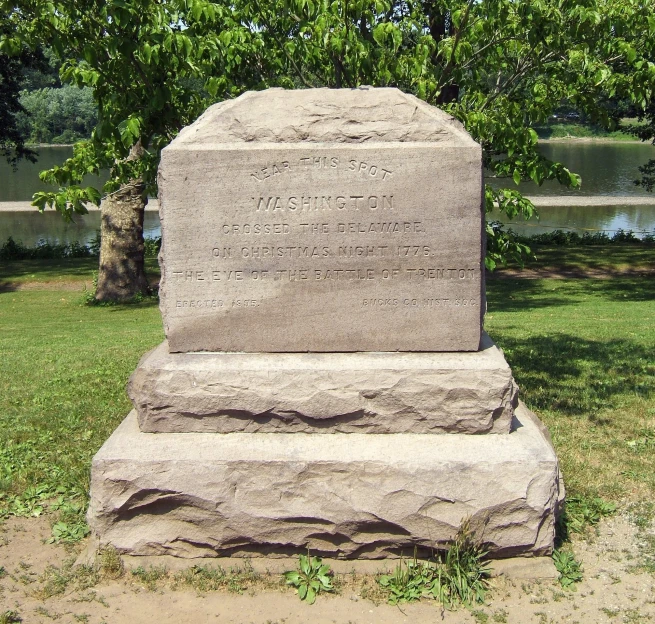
[583,354]
[63,370]
[611,258]
[582,351]
[58,271]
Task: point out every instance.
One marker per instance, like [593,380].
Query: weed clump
[205,578]
[57,580]
[460,576]
[570,570]
[110,563]
[580,514]
[311,578]
[10,617]
[150,576]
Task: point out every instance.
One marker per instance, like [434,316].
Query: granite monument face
[322,221]
[325,382]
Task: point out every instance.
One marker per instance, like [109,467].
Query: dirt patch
[40,586]
[9,286]
[566,273]
[69,286]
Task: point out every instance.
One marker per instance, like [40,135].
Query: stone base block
[325,392]
[344,496]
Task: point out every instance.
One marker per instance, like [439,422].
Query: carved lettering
[255,229]
[317,203]
[369,170]
[271,251]
[199,303]
[438,273]
[383,227]
[348,251]
[275,169]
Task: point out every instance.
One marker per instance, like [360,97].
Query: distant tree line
[52,112]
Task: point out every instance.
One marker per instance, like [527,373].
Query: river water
[607,169]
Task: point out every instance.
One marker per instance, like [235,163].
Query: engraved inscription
[313,203]
[418,303]
[275,169]
[371,171]
[305,237]
[255,229]
[271,229]
[330,273]
[363,169]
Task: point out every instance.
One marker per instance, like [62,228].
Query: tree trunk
[122,275]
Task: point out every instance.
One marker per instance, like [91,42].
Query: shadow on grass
[619,289]
[575,376]
[601,258]
[7,287]
[521,295]
[138,302]
[61,269]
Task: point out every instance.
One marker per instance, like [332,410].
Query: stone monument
[325,382]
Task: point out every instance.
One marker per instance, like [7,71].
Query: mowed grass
[598,258]
[582,351]
[63,370]
[583,354]
[58,271]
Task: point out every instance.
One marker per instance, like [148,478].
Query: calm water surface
[31,227]
[19,185]
[605,168]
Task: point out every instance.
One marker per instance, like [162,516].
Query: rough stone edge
[500,424]
[450,450]
[184,139]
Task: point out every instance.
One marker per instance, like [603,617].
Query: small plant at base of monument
[459,576]
[570,570]
[311,578]
[409,582]
[110,563]
[580,514]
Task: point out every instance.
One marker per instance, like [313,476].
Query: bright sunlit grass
[582,351]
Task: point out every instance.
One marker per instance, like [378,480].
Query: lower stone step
[471,392]
[361,496]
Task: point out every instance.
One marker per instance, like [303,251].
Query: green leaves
[310,579]
[570,570]
[130,130]
[146,62]
[146,52]
[458,576]
[11,46]
[67,200]
[64,533]
[581,513]
[215,85]
[500,67]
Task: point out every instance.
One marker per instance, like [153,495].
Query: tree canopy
[152,67]
[499,66]
[12,65]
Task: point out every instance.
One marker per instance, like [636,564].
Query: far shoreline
[540,201]
[576,139]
